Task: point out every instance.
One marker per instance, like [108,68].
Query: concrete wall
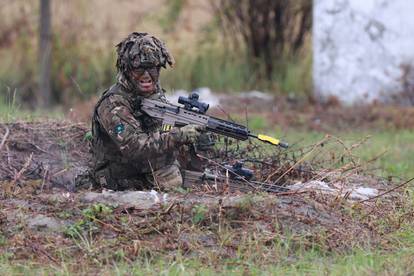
[364,50]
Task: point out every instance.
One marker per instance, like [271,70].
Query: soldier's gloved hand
[189,134]
[206,141]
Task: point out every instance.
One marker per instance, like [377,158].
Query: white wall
[363,49]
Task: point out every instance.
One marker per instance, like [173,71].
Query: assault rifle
[193,112]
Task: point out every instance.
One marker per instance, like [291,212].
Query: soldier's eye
[140,71]
[154,72]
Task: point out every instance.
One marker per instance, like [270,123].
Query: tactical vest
[104,150]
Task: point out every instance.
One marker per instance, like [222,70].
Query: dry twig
[23,169]
[3,141]
[298,162]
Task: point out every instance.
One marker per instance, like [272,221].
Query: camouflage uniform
[129,148]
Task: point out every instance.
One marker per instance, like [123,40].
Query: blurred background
[228,46]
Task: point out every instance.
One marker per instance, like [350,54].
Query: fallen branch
[291,193]
[45,175]
[3,141]
[154,176]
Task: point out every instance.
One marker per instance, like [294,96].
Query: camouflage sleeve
[115,115]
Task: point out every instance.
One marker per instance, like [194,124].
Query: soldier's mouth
[146,85]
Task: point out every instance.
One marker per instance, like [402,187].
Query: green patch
[88,136]
[199,213]
[11,110]
[91,221]
[97,211]
[390,153]
[258,123]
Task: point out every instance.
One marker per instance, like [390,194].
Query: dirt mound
[48,153]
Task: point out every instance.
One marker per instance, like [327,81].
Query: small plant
[3,240]
[64,214]
[199,213]
[119,254]
[83,241]
[73,230]
[88,223]
[88,136]
[97,211]
[181,190]
[246,203]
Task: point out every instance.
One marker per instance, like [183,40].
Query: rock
[140,199]
[351,193]
[314,185]
[363,193]
[44,223]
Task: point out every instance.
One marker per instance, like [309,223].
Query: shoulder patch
[119,128]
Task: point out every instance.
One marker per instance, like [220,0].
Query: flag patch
[119,128]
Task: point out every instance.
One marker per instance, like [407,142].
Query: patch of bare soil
[43,153]
[42,219]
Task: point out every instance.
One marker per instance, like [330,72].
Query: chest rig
[101,141]
[148,123]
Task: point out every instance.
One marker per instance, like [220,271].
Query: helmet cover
[141,50]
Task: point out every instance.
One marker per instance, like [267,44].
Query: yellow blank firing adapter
[272,140]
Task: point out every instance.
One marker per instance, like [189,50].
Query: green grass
[358,262]
[11,111]
[394,148]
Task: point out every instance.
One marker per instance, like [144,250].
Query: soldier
[129,149]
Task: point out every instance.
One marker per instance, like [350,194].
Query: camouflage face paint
[154,72]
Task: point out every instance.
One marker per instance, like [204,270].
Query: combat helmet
[140,50]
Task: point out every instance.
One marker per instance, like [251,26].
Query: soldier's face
[145,79]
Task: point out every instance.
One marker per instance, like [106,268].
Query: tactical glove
[206,141]
[188,134]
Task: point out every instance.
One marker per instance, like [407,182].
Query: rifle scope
[192,102]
